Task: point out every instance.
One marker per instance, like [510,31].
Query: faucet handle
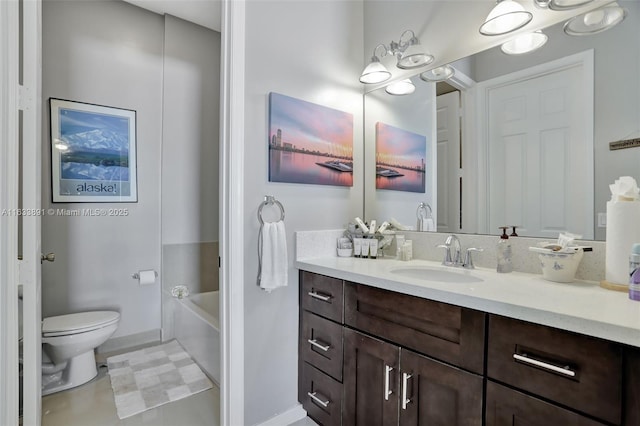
[447,254]
[468,261]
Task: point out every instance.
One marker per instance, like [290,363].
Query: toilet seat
[82,322]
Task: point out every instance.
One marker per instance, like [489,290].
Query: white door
[449,172]
[30,276]
[540,150]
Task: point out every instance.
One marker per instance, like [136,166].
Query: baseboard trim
[129,341]
[288,417]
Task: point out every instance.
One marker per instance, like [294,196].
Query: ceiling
[202,12]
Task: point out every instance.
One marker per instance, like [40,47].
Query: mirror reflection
[516,139]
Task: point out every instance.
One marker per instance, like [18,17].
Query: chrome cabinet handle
[531,361]
[405,385]
[313,396]
[318,345]
[387,391]
[319,296]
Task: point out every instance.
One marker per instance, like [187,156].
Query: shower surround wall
[112,53]
[189,162]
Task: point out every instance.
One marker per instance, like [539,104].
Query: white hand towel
[274,265]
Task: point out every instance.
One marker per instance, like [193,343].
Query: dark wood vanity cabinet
[385,384]
[375,357]
[509,407]
[576,371]
[397,359]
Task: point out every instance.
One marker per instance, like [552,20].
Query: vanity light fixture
[505,17]
[561,4]
[375,72]
[524,43]
[442,73]
[595,21]
[401,87]
[408,53]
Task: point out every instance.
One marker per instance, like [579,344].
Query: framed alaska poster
[93,153]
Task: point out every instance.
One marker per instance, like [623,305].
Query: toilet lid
[80,322]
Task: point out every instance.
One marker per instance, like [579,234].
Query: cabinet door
[507,407]
[370,381]
[437,394]
[632,390]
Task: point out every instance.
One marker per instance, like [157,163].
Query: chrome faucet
[454,258]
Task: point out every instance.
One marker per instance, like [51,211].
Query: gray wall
[107,53]
[112,53]
[309,50]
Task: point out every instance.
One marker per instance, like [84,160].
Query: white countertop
[582,306]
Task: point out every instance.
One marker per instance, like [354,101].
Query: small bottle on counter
[634,272]
[503,250]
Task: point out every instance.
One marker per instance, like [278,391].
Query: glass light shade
[375,72]
[402,87]
[414,57]
[595,21]
[567,4]
[505,17]
[442,73]
[524,43]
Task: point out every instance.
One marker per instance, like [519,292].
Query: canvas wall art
[93,153]
[400,159]
[309,143]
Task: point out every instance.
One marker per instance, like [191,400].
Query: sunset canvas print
[400,159]
[309,143]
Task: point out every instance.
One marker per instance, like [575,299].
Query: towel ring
[268,201]
[426,208]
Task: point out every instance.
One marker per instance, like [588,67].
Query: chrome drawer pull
[315,343]
[313,396]
[405,385]
[387,391]
[565,371]
[319,296]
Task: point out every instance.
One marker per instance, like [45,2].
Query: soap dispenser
[503,251]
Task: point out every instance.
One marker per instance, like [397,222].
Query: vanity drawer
[321,396]
[321,344]
[445,332]
[507,407]
[322,295]
[578,371]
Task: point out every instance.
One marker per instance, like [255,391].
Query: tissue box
[560,267]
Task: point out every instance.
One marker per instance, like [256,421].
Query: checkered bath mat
[153,376]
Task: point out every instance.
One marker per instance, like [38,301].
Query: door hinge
[25,100]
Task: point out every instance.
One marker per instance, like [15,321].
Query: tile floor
[92,404]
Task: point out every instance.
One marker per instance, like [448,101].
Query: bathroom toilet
[68,344]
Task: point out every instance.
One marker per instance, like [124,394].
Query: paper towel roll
[623,230]
[149,276]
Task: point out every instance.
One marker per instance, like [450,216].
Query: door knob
[49,257]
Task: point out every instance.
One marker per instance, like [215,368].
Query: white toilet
[68,343]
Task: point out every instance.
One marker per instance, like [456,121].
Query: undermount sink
[439,275]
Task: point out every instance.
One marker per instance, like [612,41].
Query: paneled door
[449,171]
[539,148]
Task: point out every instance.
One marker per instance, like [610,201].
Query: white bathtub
[196,326]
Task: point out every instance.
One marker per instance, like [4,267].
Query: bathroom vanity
[378,348]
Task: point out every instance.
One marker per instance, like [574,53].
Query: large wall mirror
[510,139]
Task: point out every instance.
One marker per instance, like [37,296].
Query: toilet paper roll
[623,230]
[147,277]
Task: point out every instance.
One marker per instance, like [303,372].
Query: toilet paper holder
[136,276]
